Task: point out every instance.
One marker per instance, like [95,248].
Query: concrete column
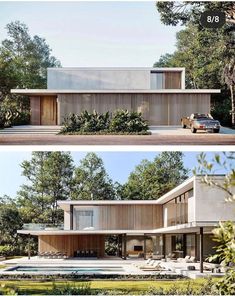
[164,245]
[184,245]
[29,246]
[144,247]
[58,100]
[196,252]
[124,251]
[201,249]
[71,217]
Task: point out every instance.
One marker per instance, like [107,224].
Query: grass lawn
[132,287]
[2,266]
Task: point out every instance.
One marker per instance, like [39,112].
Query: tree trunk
[233,106]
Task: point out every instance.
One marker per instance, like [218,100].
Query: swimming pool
[65,269]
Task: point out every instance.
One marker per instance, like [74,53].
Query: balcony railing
[34,226]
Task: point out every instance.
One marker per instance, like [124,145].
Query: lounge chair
[151,265]
[143,263]
[155,267]
[186,259]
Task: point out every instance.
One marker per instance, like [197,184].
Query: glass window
[84,219]
[176,210]
[157,80]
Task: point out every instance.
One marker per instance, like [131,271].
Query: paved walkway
[198,139]
[129,266]
[161,135]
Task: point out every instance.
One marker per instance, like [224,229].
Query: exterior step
[30,129]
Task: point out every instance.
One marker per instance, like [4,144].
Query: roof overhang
[54,92]
[85,232]
[178,190]
[192,227]
[164,69]
[64,204]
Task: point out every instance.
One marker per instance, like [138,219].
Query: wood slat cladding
[48,110]
[71,243]
[157,109]
[172,80]
[35,118]
[130,217]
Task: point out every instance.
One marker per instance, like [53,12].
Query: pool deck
[129,266]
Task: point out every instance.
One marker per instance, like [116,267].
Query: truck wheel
[193,130]
[183,125]
[216,130]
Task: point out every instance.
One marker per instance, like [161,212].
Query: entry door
[48,110]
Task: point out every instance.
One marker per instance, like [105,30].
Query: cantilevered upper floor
[188,206]
[115,78]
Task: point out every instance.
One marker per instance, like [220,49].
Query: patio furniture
[186,259]
[170,256]
[86,253]
[191,267]
[155,267]
[135,254]
[143,263]
[157,257]
[151,265]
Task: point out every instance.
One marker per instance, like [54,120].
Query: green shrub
[123,121]
[221,110]
[68,289]
[7,250]
[93,122]
[71,123]
[188,289]
[2,117]
[128,121]
[226,286]
[86,122]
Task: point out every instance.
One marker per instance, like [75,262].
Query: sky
[95,34]
[117,164]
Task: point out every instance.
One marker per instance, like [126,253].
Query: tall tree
[49,179]
[150,180]
[205,53]
[224,234]
[23,64]
[91,180]
[10,221]
[183,12]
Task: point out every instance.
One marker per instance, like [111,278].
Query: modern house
[180,223]
[158,93]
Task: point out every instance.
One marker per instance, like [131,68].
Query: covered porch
[191,240]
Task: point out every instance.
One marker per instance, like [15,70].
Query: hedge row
[121,122]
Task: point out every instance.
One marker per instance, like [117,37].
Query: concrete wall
[97,79]
[66,220]
[158,109]
[108,78]
[139,241]
[210,204]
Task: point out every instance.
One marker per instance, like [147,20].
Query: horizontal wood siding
[35,111]
[130,217]
[158,109]
[71,243]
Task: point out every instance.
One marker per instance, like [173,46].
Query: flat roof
[53,92]
[84,232]
[178,190]
[171,69]
[64,204]
[106,202]
[180,228]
